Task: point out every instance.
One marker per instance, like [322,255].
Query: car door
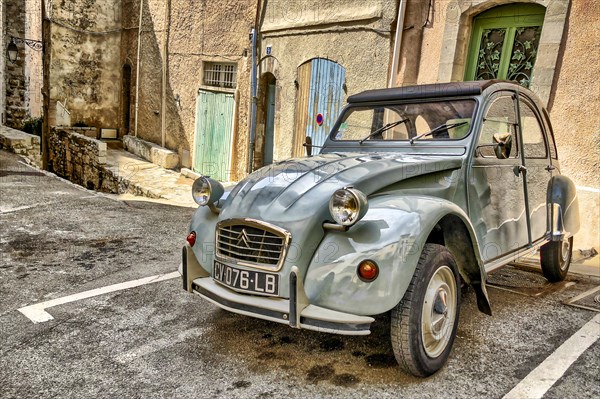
[538,166]
[496,195]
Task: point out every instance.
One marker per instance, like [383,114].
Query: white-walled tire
[423,324]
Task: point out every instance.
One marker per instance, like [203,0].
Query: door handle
[520,169]
[550,168]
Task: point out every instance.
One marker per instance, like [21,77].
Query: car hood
[301,188]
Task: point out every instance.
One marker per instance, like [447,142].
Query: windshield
[439,120]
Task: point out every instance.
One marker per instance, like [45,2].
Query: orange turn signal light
[368,270]
[191,238]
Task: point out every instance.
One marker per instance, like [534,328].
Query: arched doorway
[126,100]
[268,90]
[320,96]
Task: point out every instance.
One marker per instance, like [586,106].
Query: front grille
[252,243]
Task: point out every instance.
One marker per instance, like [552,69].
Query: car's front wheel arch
[452,232]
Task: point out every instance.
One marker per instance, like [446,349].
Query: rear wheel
[423,324]
[555,258]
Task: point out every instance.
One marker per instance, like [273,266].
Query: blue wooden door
[214,134]
[320,99]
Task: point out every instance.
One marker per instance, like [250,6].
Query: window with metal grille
[220,75]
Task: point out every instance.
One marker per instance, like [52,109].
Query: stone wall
[78,158]
[21,143]
[21,81]
[14,84]
[85,67]
[151,152]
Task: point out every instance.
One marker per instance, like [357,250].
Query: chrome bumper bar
[296,312]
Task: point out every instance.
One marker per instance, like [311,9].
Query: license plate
[247,280]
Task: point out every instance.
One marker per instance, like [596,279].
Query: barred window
[220,75]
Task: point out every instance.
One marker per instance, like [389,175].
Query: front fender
[204,223]
[393,234]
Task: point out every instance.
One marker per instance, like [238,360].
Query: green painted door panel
[504,43]
[214,133]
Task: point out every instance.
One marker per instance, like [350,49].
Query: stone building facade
[566,37]
[20,97]
[313,54]
[181,42]
[85,63]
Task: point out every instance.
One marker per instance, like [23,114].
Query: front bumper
[296,311]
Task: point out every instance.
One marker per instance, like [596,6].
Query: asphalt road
[155,340]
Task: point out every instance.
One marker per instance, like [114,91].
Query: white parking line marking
[159,344]
[541,379]
[37,313]
[589,189]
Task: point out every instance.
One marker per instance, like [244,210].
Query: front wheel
[423,324]
[555,258]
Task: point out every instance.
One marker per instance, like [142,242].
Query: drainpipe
[254,100]
[397,43]
[46,61]
[164,74]
[138,67]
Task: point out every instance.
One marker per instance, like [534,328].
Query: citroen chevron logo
[243,238]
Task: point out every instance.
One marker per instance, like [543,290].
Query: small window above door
[220,75]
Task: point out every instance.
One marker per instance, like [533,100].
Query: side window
[534,145]
[500,119]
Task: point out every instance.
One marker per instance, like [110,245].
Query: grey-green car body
[422,192]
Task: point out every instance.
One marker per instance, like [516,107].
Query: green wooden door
[504,43]
[214,133]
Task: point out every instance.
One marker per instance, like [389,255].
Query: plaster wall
[33,59]
[566,76]
[198,31]
[85,72]
[357,35]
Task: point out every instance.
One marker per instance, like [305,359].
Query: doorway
[320,96]
[214,134]
[270,121]
[126,100]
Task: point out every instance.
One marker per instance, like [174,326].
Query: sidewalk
[142,178]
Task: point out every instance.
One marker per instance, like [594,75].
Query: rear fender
[563,208]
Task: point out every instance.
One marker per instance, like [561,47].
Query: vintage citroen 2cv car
[416,191]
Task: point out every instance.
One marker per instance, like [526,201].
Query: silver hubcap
[439,312]
[565,251]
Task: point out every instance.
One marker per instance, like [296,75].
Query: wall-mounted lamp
[12,51]
[178,101]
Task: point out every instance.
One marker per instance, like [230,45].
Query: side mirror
[502,145]
[308,145]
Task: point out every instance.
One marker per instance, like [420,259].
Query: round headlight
[347,206]
[201,191]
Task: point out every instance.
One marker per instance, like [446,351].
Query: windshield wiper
[445,126]
[383,129]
